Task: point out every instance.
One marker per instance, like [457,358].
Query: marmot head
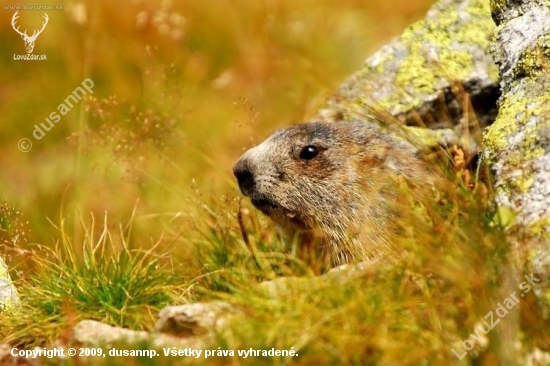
[321,178]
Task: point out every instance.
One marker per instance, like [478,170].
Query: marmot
[331,185]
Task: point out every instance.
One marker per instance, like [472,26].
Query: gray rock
[517,145]
[419,75]
[8,293]
[94,333]
[187,326]
[193,320]
[282,286]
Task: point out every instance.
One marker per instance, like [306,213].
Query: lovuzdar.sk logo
[29,40]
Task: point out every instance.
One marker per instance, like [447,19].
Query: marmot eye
[309,152]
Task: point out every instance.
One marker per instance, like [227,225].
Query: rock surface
[193,319]
[8,294]
[94,333]
[518,144]
[419,75]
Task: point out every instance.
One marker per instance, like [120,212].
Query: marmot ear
[376,156]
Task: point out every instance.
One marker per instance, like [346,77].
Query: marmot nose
[244,177]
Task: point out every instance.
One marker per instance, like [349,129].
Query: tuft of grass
[101,278]
[14,229]
[239,247]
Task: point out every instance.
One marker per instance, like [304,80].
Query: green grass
[101,279]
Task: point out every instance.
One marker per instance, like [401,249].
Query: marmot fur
[331,185]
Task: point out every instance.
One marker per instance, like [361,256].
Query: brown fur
[338,204]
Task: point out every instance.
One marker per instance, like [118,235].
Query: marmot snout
[328,183]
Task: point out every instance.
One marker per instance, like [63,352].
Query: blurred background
[181,89]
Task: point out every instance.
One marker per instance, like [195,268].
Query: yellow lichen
[458,64]
[418,74]
[534,59]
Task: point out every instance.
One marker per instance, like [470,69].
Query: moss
[516,111]
[414,72]
[524,183]
[447,36]
[539,228]
[8,305]
[497,7]
[429,54]
[478,31]
[426,137]
[534,60]
[410,33]
[459,63]
[3,270]
[512,112]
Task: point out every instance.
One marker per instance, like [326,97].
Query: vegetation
[128,203]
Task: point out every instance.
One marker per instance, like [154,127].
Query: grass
[103,280]
[428,303]
[457,263]
[148,214]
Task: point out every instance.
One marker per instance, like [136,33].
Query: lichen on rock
[411,78]
[518,143]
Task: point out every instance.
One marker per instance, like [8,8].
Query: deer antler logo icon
[29,40]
